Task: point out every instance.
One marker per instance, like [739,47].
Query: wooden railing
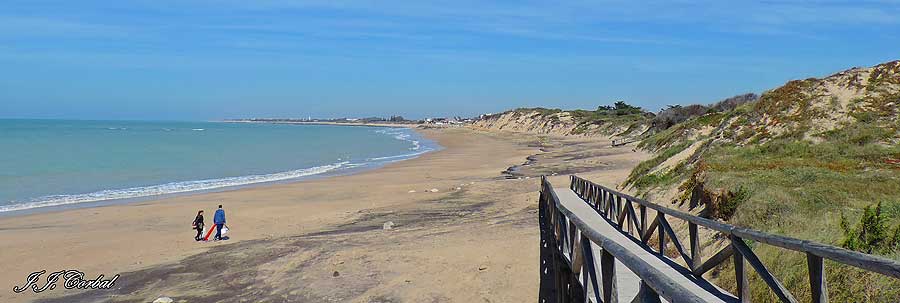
[630,216]
[570,232]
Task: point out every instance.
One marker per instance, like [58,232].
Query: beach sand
[474,240]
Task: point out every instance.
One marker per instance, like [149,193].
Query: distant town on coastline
[379,120]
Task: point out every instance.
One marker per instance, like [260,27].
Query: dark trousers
[218,231]
[199,232]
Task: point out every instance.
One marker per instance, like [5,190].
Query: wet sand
[474,240]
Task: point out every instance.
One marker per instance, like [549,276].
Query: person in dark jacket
[198,225]
[219,220]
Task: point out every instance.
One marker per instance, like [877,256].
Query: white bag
[224,230]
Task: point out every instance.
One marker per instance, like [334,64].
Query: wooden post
[646,295]
[817,278]
[695,246]
[590,270]
[619,208]
[630,211]
[661,234]
[743,284]
[608,275]
[643,223]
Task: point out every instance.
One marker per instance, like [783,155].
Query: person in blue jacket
[219,220]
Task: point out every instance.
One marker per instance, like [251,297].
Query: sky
[207,60]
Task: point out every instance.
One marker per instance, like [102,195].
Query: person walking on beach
[219,220]
[198,225]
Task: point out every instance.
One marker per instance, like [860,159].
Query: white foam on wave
[209,184]
[402,134]
[171,188]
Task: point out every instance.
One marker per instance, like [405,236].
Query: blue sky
[198,60]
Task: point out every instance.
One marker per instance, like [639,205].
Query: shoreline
[368,165]
[424,230]
[123,238]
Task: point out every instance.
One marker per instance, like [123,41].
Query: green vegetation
[619,119]
[809,190]
[641,178]
[767,165]
[619,114]
[540,110]
[620,108]
[871,234]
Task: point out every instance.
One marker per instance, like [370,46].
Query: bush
[620,108]
[733,102]
[871,234]
[677,114]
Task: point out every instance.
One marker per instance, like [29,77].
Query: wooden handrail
[860,260]
[609,203]
[566,219]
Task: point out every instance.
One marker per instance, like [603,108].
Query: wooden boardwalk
[595,248]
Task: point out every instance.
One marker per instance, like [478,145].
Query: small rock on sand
[482,268]
[335,274]
[434,190]
[412,191]
[163,300]
[388,225]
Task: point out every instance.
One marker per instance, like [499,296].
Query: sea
[46,164]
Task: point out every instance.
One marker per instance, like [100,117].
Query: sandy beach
[473,240]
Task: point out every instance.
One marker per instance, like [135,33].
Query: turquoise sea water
[60,162]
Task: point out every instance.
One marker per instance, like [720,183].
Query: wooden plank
[695,245]
[633,223]
[611,205]
[619,208]
[817,278]
[608,275]
[661,234]
[780,291]
[575,249]
[650,229]
[740,275]
[590,269]
[643,224]
[719,257]
[620,219]
[674,237]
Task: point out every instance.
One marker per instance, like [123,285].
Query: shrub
[733,102]
[871,234]
[677,114]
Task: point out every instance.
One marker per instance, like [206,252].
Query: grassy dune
[798,162]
